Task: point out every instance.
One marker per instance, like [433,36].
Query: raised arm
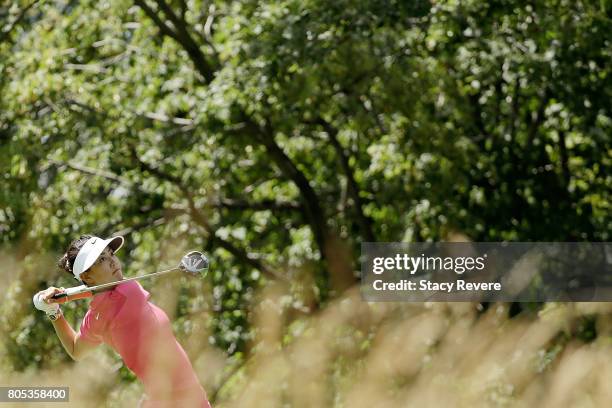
[74,345]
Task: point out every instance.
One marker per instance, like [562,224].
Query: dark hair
[66,262]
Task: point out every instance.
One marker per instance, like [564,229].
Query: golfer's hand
[42,300]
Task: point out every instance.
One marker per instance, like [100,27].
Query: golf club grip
[63,297]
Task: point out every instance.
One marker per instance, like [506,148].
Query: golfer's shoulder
[122,303]
[132,289]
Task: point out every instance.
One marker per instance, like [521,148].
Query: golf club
[194,263]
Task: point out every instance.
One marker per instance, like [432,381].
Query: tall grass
[352,354]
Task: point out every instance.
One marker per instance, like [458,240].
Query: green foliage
[262,131]
[587,329]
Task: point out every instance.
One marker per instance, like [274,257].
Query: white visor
[91,250]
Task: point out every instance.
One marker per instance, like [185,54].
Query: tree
[279,136]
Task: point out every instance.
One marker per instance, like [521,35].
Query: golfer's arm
[74,346]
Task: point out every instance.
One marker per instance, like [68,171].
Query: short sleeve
[91,329]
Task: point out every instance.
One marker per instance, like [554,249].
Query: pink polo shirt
[141,333]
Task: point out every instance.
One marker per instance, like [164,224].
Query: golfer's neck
[106,289]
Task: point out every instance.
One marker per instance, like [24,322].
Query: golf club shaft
[88,291]
[110,284]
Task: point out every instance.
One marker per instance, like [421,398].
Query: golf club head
[195,263]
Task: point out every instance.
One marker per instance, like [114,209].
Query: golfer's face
[107,268]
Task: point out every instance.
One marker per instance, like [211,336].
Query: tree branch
[477,120]
[201,220]
[181,35]
[149,223]
[168,213]
[257,206]
[238,253]
[264,135]
[537,120]
[167,31]
[515,109]
[5,33]
[353,189]
[184,9]
[92,172]
[563,156]
[183,123]
[310,202]
[178,24]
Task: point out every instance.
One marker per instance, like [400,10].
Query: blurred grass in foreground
[351,354]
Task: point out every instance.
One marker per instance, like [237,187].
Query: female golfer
[123,318]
